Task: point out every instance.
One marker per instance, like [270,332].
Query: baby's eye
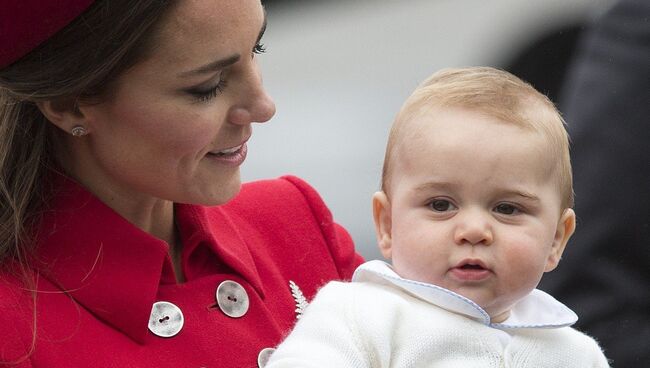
[441,205]
[506,209]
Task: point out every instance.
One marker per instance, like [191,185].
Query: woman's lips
[227,151]
[233,156]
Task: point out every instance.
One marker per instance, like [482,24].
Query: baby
[476,205]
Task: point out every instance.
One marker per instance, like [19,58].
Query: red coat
[99,277]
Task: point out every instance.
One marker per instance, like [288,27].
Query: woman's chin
[222,194]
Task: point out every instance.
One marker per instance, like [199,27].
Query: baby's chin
[495,303]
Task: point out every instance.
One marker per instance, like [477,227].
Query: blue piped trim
[536,306]
[481,311]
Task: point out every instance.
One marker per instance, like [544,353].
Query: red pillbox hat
[25,24]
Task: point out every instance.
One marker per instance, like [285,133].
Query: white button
[232,299]
[166,319]
[264,356]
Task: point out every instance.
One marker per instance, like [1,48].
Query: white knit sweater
[377,323]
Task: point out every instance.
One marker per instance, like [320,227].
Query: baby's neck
[499,318]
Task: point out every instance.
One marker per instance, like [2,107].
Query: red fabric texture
[98,277]
[25,24]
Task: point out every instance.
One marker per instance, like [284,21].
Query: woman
[122,127]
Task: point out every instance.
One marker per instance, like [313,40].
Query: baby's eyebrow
[521,193]
[431,185]
[447,186]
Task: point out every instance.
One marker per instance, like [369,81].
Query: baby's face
[473,208]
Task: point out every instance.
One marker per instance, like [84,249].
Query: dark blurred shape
[544,63]
[605,272]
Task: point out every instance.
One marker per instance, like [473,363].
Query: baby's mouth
[472,264]
[472,267]
[471,270]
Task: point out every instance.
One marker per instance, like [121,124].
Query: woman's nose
[254,105]
[473,228]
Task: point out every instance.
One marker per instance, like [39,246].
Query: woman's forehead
[197,32]
[219,17]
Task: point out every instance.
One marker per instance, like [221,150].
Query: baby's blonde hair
[497,94]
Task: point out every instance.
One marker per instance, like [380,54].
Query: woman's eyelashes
[202,94]
[259,48]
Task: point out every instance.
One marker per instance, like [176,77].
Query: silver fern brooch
[299,297]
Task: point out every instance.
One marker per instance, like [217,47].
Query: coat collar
[110,266]
[536,310]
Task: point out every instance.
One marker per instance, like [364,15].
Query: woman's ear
[565,228]
[64,113]
[383,223]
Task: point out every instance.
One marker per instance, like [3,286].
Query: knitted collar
[536,310]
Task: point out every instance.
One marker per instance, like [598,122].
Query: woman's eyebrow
[221,63]
[263,29]
[211,67]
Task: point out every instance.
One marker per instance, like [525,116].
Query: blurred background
[339,71]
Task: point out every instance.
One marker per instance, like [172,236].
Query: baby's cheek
[528,268]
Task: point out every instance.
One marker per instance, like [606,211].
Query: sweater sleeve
[325,336]
[341,246]
[589,354]
[600,361]
[570,347]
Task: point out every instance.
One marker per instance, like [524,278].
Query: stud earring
[78,131]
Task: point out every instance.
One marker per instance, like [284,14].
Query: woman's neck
[152,215]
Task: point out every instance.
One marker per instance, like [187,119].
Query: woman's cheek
[182,135]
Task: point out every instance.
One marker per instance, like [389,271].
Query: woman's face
[176,125]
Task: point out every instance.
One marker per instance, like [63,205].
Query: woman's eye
[259,49]
[506,209]
[441,205]
[205,95]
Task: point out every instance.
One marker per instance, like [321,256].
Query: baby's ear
[565,228]
[383,223]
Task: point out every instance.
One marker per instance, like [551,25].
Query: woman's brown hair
[77,64]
